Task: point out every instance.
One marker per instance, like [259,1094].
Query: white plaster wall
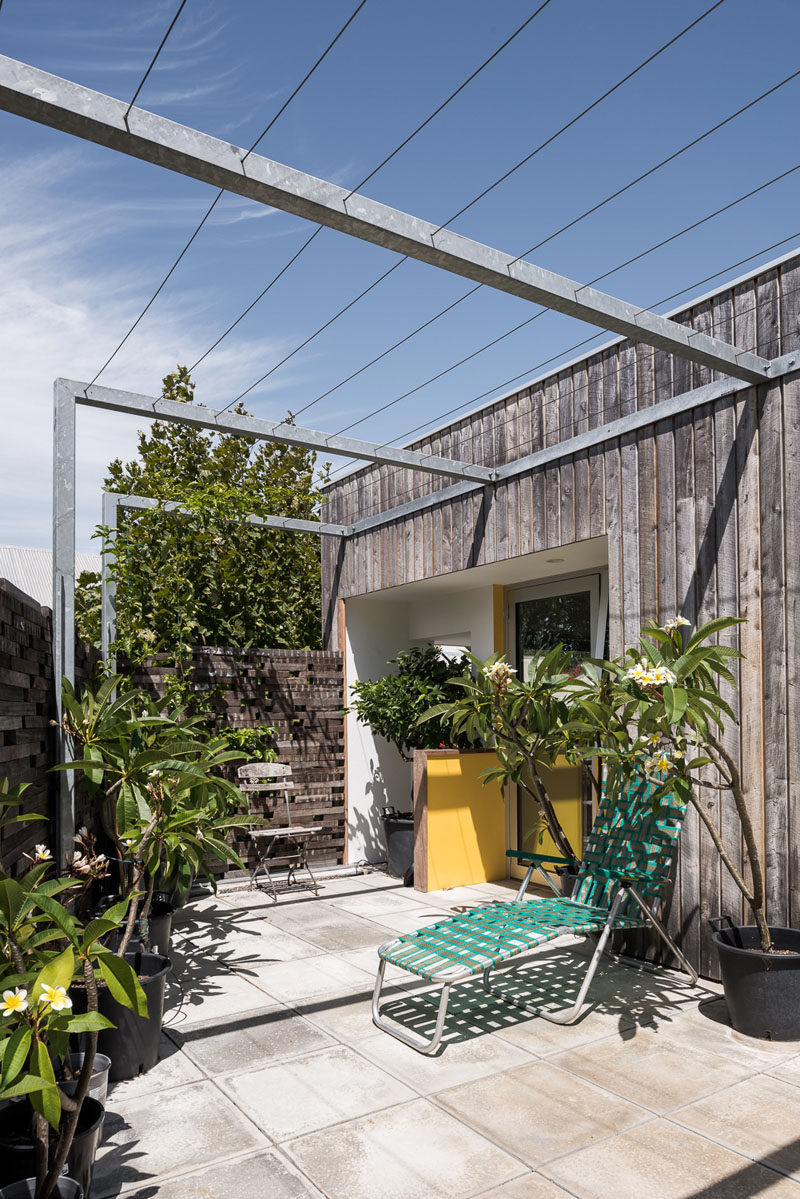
[376,629]
[376,774]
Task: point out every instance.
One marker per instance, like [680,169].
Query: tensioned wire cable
[570,224]
[221,192]
[401,146]
[155,57]
[526,374]
[528,157]
[598,278]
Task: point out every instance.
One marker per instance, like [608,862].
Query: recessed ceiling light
[554,559]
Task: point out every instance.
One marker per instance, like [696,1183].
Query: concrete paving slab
[529,1186]
[265,1175]
[706,1026]
[649,1070]
[414,1150]
[658,1160]
[460,1062]
[347,1018]
[298,1096]
[249,1039]
[173,1069]
[788,1071]
[414,916]
[330,930]
[205,993]
[185,1127]
[326,974]
[375,902]
[539,1112]
[759,1118]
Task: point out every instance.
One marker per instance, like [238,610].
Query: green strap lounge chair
[620,886]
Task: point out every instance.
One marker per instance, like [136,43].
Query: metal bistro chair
[620,886]
[285,844]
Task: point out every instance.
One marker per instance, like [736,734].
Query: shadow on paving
[753,1179]
[550,980]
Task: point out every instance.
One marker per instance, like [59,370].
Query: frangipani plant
[155,784]
[665,717]
[44,954]
[529,724]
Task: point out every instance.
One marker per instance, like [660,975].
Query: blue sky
[86,234]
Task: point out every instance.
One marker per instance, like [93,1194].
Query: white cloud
[60,318]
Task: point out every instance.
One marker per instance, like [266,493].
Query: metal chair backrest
[268,777]
[627,835]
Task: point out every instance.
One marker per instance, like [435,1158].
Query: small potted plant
[158,795]
[48,1137]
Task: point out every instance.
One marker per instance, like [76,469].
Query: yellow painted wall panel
[466,822]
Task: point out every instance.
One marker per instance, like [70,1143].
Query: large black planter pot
[18,1155]
[133,1044]
[762,990]
[65,1188]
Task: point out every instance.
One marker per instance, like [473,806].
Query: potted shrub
[157,794]
[391,707]
[668,719]
[45,955]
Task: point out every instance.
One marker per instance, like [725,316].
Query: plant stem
[41,1131]
[756,898]
[69,1127]
[130,923]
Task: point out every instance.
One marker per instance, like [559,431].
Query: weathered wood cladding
[702,518]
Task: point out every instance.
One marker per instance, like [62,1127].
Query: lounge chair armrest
[522,855]
[629,876]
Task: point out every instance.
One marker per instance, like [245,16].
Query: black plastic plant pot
[65,1188]
[133,1043]
[762,990]
[160,926]
[18,1153]
[567,880]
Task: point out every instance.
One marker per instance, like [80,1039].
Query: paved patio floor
[274,1082]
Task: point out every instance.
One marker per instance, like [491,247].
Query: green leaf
[25,1086]
[47,1102]
[97,928]
[121,980]
[58,972]
[16,1053]
[60,916]
[86,1022]
[12,901]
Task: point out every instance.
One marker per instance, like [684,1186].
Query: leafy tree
[391,706]
[206,576]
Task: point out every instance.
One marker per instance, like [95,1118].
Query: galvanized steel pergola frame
[62,104]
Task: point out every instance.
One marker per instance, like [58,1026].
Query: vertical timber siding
[702,516]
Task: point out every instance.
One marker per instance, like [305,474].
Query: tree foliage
[391,706]
[207,576]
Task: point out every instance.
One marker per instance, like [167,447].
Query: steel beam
[641,419]
[63,600]
[62,104]
[266,430]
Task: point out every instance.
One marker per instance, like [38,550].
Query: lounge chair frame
[625,907]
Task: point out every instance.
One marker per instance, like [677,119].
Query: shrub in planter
[45,954]
[391,706]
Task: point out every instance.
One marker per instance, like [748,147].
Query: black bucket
[133,1044]
[762,990]
[399,831]
[18,1156]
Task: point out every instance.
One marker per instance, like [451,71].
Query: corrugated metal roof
[31,570]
